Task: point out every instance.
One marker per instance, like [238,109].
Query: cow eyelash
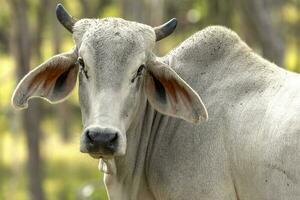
[138,73]
[82,67]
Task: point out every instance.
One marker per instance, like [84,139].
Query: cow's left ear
[171,95]
[52,80]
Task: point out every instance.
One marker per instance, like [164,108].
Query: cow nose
[98,140]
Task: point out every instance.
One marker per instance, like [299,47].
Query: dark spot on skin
[266,180]
[288,184]
[286,173]
[117,33]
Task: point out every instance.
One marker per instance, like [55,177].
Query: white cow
[131,102]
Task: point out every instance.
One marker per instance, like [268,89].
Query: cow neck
[128,172]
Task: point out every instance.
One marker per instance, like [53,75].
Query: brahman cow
[140,112]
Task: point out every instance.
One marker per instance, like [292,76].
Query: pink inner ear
[47,77]
[174,89]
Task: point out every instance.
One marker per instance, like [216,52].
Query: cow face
[112,54]
[117,74]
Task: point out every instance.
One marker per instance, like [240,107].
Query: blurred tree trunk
[42,14]
[257,14]
[297,33]
[220,12]
[155,12]
[133,10]
[63,109]
[3,40]
[92,8]
[150,12]
[30,118]
[85,8]
[144,11]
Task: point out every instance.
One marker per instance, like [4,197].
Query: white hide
[248,149]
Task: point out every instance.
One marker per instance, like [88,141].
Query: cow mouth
[100,156]
[96,156]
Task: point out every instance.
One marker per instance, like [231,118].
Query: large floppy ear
[171,95]
[52,80]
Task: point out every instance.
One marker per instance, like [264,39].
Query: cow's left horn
[65,18]
[166,29]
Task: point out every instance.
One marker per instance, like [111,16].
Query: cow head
[117,70]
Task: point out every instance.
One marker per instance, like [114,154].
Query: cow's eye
[138,73]
[140,70]
[80,62]
[82,67]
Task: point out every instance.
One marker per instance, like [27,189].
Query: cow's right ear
[53,80]
[169,94]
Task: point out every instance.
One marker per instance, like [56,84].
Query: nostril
[88,135]
[114,138]
[100,140]
[113,141]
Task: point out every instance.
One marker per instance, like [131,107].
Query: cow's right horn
[65,18]
[166,29]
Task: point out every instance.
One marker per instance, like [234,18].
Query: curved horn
[166,29]
[64,18]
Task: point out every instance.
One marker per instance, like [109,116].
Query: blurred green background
[39,147]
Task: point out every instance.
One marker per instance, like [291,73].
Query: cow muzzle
[99,142]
